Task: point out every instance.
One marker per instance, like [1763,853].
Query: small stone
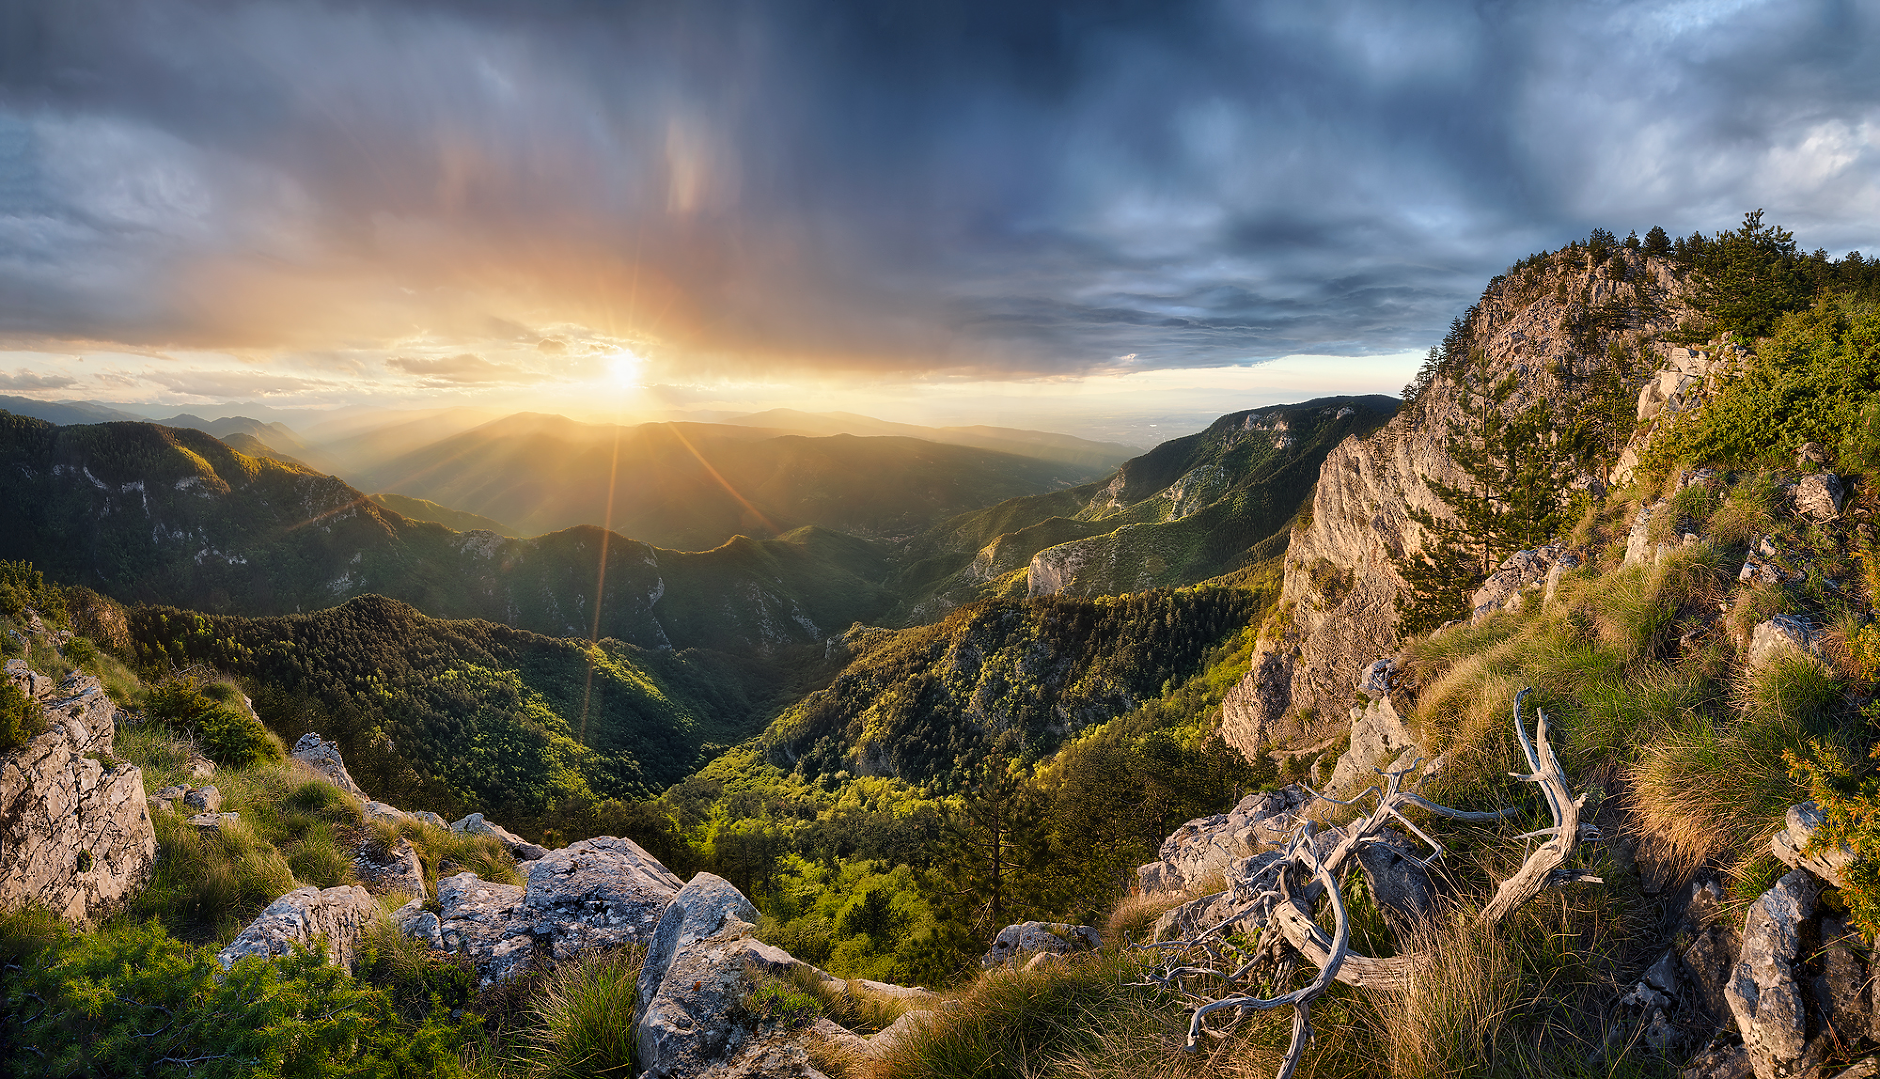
[1782,634]
[204,799]
[1811,453]
[1820,496]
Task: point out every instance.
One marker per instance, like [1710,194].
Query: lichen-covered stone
[520,848]
[1820,495]
[323,757]
[307,916]
[1026,938]
[702,908]
[478,918]
[1763,992]
[1779,636]
[597,893]
[75,832]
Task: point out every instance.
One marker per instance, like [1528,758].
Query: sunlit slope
[146,513]
[463,715]
[692,486]
[1013,678]
[423,509]
[1044,445]
[1190,509]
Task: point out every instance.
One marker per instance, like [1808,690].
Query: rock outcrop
[1203,849]
[1014,942]
[598,893]
[323,757]
[75,830]
[309,917]
[1339,602]
[1764,994]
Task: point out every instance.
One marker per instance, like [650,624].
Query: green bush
[229,733]
[21,718]
[131,1000]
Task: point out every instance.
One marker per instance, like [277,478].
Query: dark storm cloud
[986,187]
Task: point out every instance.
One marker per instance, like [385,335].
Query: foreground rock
[306,916]
[75,832]
[520,848]
[598,893]
[323,757]
[1763,992]
[1014,942]
[701,967]
[1203,849]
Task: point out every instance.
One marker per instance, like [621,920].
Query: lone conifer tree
[1513,500]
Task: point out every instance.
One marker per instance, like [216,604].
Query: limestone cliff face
[1548,328]
[75,831]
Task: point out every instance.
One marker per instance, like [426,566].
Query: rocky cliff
[74,831]
[1549,331]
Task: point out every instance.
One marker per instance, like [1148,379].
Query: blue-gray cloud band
[990,187]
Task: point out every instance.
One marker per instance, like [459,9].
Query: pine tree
[1513,501]
[1658,242]
[994,846]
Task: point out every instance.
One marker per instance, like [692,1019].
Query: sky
[1078,216]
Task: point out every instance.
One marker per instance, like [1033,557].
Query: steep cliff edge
[1564,329]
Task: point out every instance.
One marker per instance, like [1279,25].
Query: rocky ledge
[75,834]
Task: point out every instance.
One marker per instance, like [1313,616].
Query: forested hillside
[153,514]
[1193,508]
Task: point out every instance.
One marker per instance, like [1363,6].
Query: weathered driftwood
[1279,901]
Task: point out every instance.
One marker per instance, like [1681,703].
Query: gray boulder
[520,848]
[1763,993]
[1803,826]
[204,799]
[398,870]
[598,893]
[1207,847]
[1782,635]
[478,918]
[307,916]
[1820,495]
[1027,938]
[323,757]
[700,909]
[1398,880]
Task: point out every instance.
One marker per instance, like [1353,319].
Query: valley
[885,701]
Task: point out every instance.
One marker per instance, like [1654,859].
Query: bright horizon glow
[1135,407]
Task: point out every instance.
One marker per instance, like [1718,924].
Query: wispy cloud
[747,189]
